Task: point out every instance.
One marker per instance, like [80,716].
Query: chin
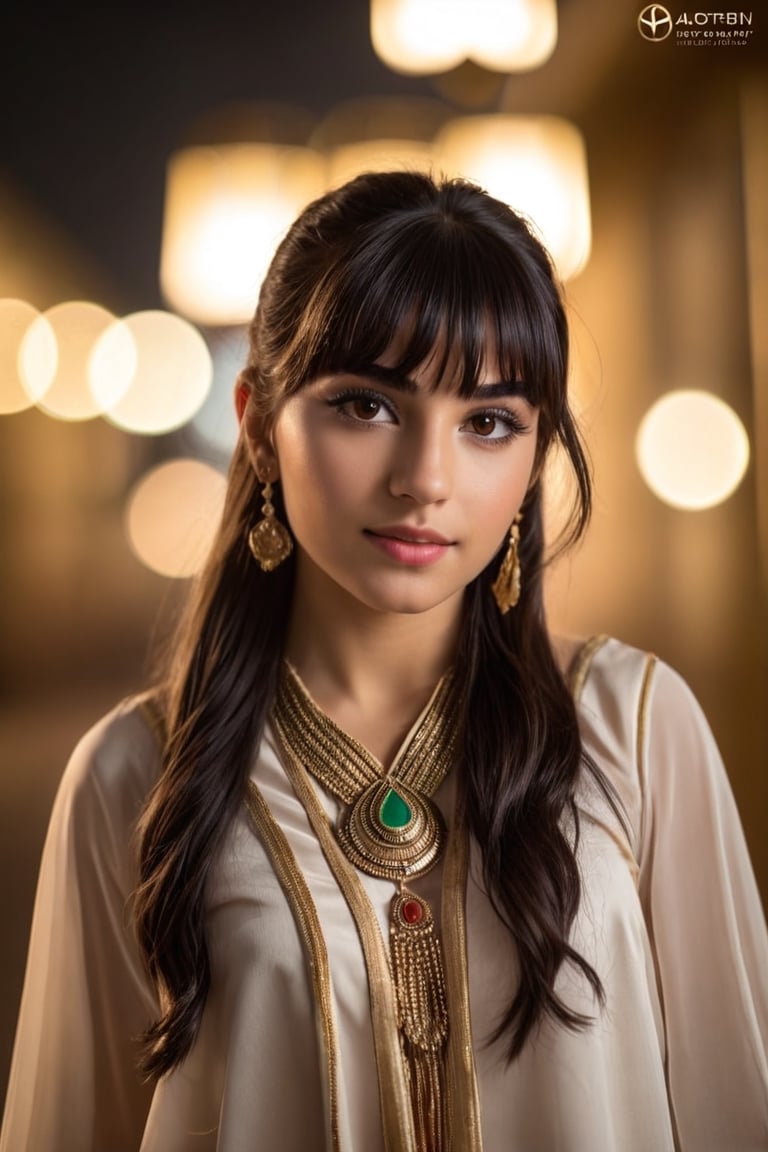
[407,608]
[406,602]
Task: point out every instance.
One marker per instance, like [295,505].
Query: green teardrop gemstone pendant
[391,831]
[394,812]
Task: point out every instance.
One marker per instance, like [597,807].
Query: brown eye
[483,424]
[365,407]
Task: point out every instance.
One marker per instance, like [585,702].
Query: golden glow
[692,449]
[171,376]
[425,36]
[350,160]
[226,209]
[54,358]
[172,516]
[537,165]
[16,317]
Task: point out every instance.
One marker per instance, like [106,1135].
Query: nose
[422,465]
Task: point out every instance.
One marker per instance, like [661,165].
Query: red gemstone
[412,912]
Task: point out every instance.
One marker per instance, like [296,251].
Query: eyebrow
[401,383]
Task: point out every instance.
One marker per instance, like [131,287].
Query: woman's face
[397,492]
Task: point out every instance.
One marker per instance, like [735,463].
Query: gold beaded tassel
[417,969]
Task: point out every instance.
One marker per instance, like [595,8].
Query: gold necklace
[391,829]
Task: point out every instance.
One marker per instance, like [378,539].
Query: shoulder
[644,727]
[609,680]
[600,660]
[628,690]
[638,717]
[111,770]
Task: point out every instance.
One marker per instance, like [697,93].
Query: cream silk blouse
[670,918]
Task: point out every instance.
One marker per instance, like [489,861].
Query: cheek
[504,483]
[317,472]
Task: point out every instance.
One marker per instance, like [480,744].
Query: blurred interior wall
[754,109]
[677,273]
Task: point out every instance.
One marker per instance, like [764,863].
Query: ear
[256,432]
[242,395]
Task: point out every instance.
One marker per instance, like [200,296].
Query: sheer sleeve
[707,927]
[73,1084]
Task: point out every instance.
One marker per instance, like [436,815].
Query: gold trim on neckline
[579,670]
[305,914]
[394,1097]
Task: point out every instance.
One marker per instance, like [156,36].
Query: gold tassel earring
[506,586]
[269,540]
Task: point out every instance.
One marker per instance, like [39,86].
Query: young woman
[381,865]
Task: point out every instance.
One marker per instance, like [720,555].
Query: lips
[413,547]
[409,534]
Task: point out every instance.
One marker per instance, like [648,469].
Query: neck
[372,672]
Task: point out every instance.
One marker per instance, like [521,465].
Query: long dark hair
[452,269]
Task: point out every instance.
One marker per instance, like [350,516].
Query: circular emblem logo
[654,22]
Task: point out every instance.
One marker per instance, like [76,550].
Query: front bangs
[428,293]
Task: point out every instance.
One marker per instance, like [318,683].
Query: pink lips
[413,546]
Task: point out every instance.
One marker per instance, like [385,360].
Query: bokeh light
[692,449]
[54,358]
[226,209]
[172,515]
[112,365]
[537,165]
[428,36]
[16,317]
[172,375]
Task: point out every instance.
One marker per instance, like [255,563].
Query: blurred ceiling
[95,98]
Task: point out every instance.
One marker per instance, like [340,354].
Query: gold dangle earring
[506,586]
[269,540]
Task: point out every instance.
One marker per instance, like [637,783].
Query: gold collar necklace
[390,828]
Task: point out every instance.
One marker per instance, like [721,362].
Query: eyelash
[351,394]
[504,416]
[510,419]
